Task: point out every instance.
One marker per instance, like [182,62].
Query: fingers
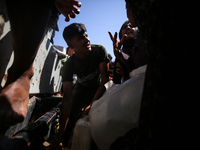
[76,3]
[111,36]
[119,69]
[72,15]
[67,18]
[118,65]
[68,8]
[115,37]
[116,45]
[76,10]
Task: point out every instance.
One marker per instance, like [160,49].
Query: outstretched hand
[117,45]
[68,8]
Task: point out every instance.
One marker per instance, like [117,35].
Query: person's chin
[89,48]
[130,35]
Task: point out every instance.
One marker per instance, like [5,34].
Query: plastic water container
[82,135]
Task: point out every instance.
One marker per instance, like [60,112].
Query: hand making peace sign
[117,45]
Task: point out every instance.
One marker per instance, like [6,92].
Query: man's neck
[82,56]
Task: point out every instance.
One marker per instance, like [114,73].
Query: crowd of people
[91,65]
[89,62]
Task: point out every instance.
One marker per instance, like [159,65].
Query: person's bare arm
[66,108]
[103,67]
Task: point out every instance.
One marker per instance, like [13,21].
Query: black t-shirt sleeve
[102,54]
[67,72]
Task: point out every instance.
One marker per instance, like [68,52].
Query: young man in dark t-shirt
[90,64]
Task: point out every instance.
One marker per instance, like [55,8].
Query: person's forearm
[100,90]
[66,108]
[104,67]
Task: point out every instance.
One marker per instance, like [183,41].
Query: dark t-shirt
[87,70]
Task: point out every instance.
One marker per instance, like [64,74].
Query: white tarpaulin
[117,111]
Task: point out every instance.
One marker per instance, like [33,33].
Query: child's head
[76,37]
[73,30]
[127,29]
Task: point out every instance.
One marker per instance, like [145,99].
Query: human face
[81,45]
[129,31]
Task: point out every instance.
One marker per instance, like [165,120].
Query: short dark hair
[73,30]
